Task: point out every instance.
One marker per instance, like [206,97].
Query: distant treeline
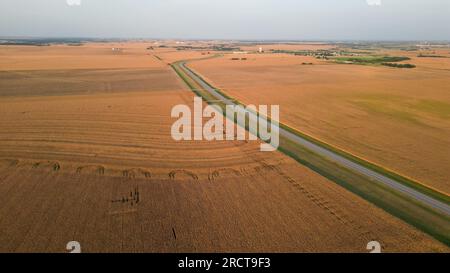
[192,48]
[211,48]
[50,41]
[430,56]
[373,59]
[23,43]
[225,48]
[399,65]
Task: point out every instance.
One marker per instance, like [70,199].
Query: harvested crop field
[397,118]
[91,68]
[86,56]
[173,56]
[102,169]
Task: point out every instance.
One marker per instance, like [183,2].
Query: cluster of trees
[374,59]
[225,48]
[399,65]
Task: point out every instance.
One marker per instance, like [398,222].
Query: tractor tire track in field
[224,173]
[190,175]
[136,173]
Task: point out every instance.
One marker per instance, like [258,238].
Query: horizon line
[217,39]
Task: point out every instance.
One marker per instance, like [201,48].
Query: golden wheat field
[86,155]
[396,118]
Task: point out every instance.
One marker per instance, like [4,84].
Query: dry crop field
[396,118]
[86,155]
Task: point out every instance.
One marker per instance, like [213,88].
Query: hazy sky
[229,19]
